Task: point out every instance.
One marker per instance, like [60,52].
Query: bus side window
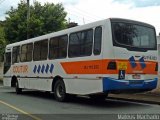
[97,40]
[80,43]
[40,50]
[58,47]
[26,52]
[15,54]
[29,51]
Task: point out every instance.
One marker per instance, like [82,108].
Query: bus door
[6,69]
[7,64]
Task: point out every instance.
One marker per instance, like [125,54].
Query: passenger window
[15,54]
[26,52]
[97,40]
[58,47]
[7,62]
[29,52]
[80,43]
[40,50]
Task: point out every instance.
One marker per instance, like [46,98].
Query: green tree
[2,40]
[44,19]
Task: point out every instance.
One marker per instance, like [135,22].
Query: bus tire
[18,90]
[60,91]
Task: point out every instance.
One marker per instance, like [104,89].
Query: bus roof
[73,29]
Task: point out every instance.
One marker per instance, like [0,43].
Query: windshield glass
[132,35]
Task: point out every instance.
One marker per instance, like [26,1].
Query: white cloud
[140,3]
[5,6]
[85,11]
[65,2]
[91,10]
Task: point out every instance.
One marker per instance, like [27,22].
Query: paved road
[39,105]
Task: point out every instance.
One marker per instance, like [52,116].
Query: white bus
[107,56]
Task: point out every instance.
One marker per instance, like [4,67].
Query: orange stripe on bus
[100,67]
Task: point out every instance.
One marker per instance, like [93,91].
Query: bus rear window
[133,35]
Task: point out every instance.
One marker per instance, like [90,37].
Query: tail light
[112,65]
[156,68]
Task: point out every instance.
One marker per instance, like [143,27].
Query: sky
[86,11]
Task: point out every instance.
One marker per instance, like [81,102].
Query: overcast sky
[85,11]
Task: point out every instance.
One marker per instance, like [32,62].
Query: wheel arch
[55,79]
[13,81]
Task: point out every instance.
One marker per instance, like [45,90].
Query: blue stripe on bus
[115,84]
[43,69]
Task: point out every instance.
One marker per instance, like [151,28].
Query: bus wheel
[18,90]
[60,91]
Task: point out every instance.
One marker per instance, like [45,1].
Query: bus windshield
[133,35]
